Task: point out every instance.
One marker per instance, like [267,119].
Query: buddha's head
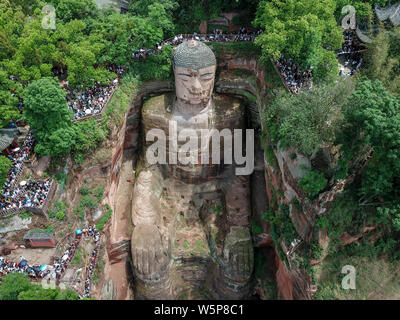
[194,66]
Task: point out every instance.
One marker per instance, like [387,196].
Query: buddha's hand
[238,254]
[150,257]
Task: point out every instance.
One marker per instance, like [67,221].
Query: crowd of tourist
[244,34]
[17,156]
[92,262]
[33,271]
[295,78]
[352,52]
[56,270]
[117,69]
[90,101]
[30,194]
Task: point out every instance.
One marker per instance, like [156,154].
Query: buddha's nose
[196,86]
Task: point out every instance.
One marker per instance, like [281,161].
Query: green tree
[363,8]
[372,122]
[313,182]
[156,66]
[75,9]
[35,52]
[143,7]
[383,59]
[301,29]
[5,166]
[9,90]
[16,286]
[12,285]
[58,143]
[47,113]
[80,62]
[67,295]
[8,113]
[11,25]
[38,293]
[309,119]
[116,30]
[88,134]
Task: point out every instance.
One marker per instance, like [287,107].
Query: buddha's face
[194,86]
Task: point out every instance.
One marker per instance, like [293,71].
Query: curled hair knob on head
[194,55]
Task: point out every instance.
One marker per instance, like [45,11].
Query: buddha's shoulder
[159,105]
[226,106]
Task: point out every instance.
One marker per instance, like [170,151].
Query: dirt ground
[36,256]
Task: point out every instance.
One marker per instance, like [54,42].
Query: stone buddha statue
[191,236]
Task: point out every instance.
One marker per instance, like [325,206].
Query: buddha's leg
[235,255]
[150,247]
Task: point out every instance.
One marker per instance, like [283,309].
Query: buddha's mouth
[196,100]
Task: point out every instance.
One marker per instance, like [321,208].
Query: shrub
[77,257]
[87,201]
[297,204]
[186,244]
[120,101]
[217,209]
[58,211]
[98,193]
[313,182]
[5,166]
[80,211]
[255,228]
[49,228]
[84,191]
[322,223]
[52,214]
[60,215]
[61,177]
[316,250]
[155,67]
[103,220]
[269,151]
[25,214]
